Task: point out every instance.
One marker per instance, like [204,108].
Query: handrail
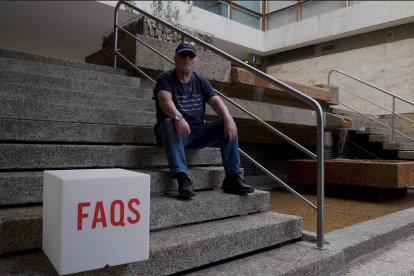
[394,97]
[288,89]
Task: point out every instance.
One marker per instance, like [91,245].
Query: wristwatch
[178,117]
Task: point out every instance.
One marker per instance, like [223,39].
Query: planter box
[369,173]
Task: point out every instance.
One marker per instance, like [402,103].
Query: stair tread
[46,69]
[53,156]
[79,132]
[27,187]
[61,62]
[20,228]
[182,248]
[15,77]
[50,112]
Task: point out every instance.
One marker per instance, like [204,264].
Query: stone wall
[164,40]
[148,27]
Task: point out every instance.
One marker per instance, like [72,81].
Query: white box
[95,217]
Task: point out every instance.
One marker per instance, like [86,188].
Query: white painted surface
[74,29]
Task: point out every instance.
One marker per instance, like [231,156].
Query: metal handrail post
[116,32]
[393,120]
[320,242]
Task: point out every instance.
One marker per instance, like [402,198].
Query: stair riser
[51,70]
[75,98]
[208,206]
[46,131]
[27,187]
[406,155]
[19,156]
[76,114]
[12,78]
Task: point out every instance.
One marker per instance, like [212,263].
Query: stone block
[370,173]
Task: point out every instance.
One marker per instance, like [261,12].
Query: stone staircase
[401,148]
[58,114]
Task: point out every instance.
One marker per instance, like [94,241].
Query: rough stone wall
[150,28]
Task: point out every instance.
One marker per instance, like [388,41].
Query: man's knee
[167,122]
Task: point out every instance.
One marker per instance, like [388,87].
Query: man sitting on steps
[181,95]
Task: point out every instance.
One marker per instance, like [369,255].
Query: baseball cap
[185,47]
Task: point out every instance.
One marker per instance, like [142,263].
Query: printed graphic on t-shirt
[188,104]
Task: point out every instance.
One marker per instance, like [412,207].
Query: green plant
[168,11]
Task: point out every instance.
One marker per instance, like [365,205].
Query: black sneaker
[185,188]
[234,184]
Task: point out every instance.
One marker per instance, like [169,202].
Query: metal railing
[288,89]
[394,97]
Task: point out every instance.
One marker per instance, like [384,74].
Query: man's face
[185,62]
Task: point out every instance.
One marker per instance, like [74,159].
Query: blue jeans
[206,135]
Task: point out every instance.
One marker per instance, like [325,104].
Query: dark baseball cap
[185,47]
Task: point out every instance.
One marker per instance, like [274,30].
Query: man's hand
[230,129]
[182,128]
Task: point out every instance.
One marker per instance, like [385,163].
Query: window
[284,17]
[278,5]
[317,7]
[246,18]
[251,5]
[217,7]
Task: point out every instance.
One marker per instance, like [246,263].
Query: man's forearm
[219,107]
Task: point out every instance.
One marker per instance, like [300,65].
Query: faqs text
[115,215]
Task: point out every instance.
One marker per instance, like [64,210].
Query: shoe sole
[186,196]
[237,192]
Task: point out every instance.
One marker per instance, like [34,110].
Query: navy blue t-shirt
[189,98]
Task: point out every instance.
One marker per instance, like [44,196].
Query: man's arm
[168,107]
[230,129]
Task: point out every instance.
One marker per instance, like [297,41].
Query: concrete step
[27,186]
[398,146]
[386,133]
[53,70]
[183,248]
[302,258]
[75,114]
[376,138]
[22,92]
[406,155]
[52,156]
[21,227]
[60,62]
[68,132]
[12,78]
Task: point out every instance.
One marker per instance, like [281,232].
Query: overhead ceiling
[66,29]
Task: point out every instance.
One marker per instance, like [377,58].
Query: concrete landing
[370,173]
